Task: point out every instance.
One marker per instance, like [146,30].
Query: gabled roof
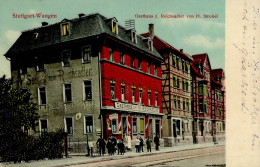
[217,73]
[87,26]
[160,44]
[195,70]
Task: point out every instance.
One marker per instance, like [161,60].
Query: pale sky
[193,35]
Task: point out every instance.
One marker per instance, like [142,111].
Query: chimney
[151,31]
[44,23]
[181,50]
[81,15]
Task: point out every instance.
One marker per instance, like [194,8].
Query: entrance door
[124,126]
[150,128]
[201,128]
[174,130]
[157,127]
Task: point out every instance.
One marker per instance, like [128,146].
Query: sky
[193,35]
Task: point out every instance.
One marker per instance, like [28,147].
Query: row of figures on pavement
[122,145]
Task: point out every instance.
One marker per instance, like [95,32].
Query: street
[188,158]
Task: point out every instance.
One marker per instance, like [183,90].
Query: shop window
[42,95]
[114,125]
[86,54]
[67,93]
[141,125]
[178,127]
[66,58]
[111,54]
[87,90]
[65,29]
[122,58]
[43,125]
[134,125]
[69,125]
[89,124]
[112,91]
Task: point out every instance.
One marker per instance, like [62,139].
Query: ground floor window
[89,124]
[157,127]
[43,125]
[134,125]
[69,125]
[141,125]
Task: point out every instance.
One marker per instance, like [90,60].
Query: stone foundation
[171,141]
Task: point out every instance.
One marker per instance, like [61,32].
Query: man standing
[102,144]
[157,142]
[149,144]
[141,144]
[114,143]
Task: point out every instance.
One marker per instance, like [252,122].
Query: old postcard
[129,83]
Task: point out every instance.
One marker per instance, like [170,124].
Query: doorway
[124,126]
[150,128]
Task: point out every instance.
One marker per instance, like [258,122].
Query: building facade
[208,100]
[90,77]
[176,94]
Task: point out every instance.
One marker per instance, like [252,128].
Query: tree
[17,115]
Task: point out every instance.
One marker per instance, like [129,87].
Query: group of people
[122,145]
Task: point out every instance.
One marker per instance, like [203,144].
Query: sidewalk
[81,158]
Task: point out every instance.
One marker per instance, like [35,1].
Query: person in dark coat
[114,143]
[157,142]
[149,144]
[120,147]
[110,145]
[141,147]
[102,145]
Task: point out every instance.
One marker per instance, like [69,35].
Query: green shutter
[141,125]
[205,90]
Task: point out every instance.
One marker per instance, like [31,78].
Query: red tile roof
[160,44]
[216,73]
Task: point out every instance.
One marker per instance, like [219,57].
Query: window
[132,62]
[188,105]
[150,44]
[86,54]
[122,93]
[149,98]
[87,90]
[114,26]
[183,65]
[134,125]
[187,86]
[141,125]
[133,95]
[42,95]
[202,106]
[89,124]
[133,36]
[67,92]
[173,60]
[148,67]
[43,125]
[205,90]
[175,103]
[66,58]
[122,58]
[68,125]
[157,127]
[178,82]
[200,89]
[140,95]
[155,70]
[65,29]
[111,54]
[156,99]
[114,125]
[183,105]
[174,81]
[112,90]
[140,64]
[178,127]
[183,85]
[177,62]
[179,103]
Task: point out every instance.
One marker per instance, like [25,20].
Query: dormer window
[133,36]
[150,44]
[114,26]
[65,29]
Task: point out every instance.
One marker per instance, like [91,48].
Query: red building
[218,104]
[201,98]
[131,84]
